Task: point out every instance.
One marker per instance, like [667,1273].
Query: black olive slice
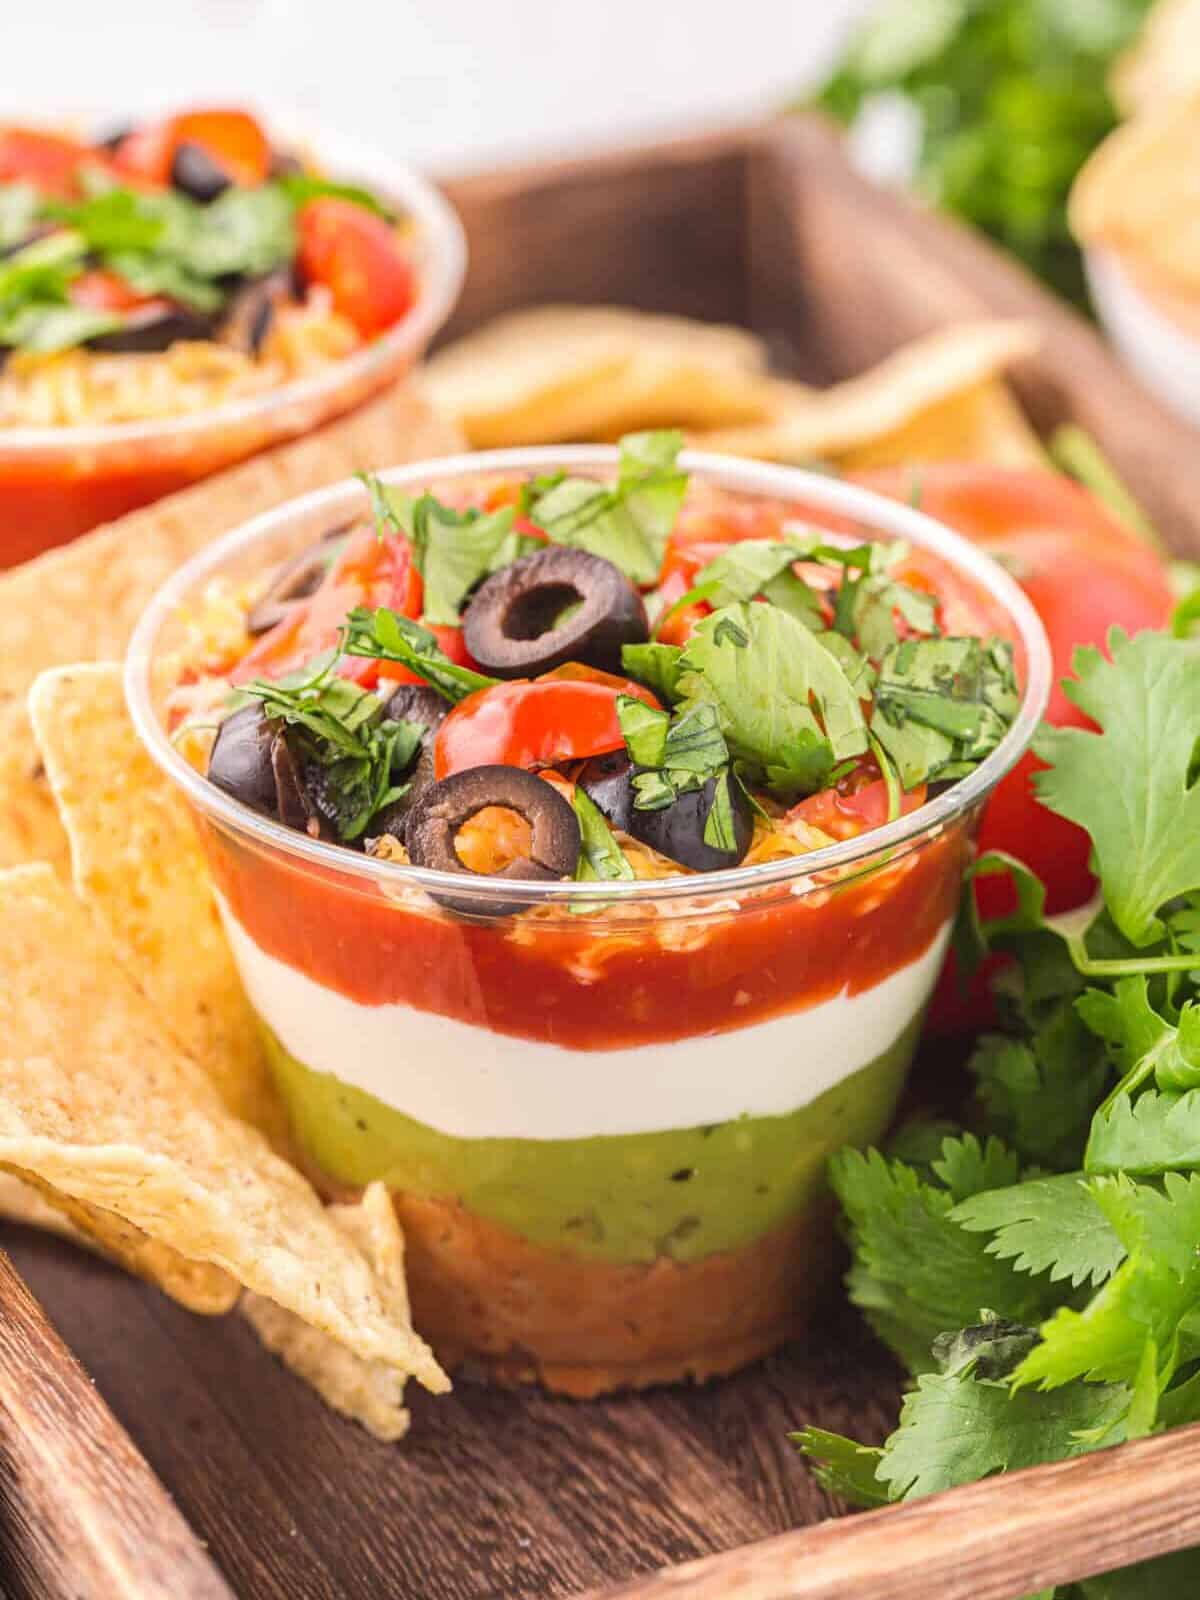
[608,780]
[251,311]
[677,831]
[434,824]
[196,174]
[299,577]
[554,606]
[150,329]
[417,702]
[241,761]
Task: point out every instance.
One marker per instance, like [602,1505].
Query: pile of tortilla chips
[575,373]
[136,1113]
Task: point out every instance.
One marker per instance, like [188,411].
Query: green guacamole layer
[685,1193]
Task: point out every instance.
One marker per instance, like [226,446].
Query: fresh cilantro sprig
[628,523]
[1083,1226]
[352,755]
[384,635]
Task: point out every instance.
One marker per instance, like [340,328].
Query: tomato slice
[47,160]
[105,291]
[534,724]
[358,258]
[368,572]
[844,814]
[234,139]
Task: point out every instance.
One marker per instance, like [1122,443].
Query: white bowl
[1164,354]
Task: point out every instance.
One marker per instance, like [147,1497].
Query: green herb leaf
[628,524]
[956,1428]
[843,1468]
[644,729]
[1153,1134]
[655,665]
[601,857]
[301,187]
[384,635]
[1132,784]
[1142,1043]
[1049,1225]
[719,830]
[770,681]
[19,207]
[452,550]
[943,703]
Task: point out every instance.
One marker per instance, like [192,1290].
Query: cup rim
[442,269]
[816,490]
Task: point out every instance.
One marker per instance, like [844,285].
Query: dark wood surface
[516,1494]
[82,1517]
[493,1494]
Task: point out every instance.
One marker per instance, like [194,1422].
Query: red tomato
[369,572]
[534,724]
[358,258]
[844,814]
[1084,572]
[46,160]
[234,140]
[105,291]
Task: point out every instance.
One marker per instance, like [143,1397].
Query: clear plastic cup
[606,1116]
[58,482]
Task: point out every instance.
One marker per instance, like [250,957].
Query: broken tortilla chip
[980,424]
[139,869]
[571,373]
[97,1103]
[826,424]
[368,1392]
[198,1285]
[1162,62]
[29,825]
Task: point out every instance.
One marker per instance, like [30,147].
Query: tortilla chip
[981,424]
[571,373]
[97,1103]
[1137,195]
[1164,60]
[365,1391]
[80,602]
[139,869]
[826,424]
[198,1285]
[29,825]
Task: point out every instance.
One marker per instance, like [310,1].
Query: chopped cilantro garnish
[601,858]
[676,752]
[384,635]
[941,705]
[628,523]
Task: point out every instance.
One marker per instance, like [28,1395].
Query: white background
[455,85]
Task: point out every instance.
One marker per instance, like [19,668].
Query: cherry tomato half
[358,258]
[368,572]
[105,291]
[234,139]
[47,160]
[534,724]
[845,813]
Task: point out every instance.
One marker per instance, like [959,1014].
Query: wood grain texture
[990,1541]
[82,1517]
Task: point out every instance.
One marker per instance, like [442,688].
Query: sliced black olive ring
[195,173]
[298,578]
[150,329]
[554,606]
[675,831]
[434,825]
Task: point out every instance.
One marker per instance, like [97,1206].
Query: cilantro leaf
[1142,1042]
[750,568]
[676,751]
[769,680]
[942,704]
[655,665]
[384,635]
[917,1272]
[19,206]
[452,550]
[628,524]
[1152,1134]
[1047,1225]
[1143,1303]
[600,857]
[968,1166]
[843,1468]
[991,1349]
[1039,1097]
[956,1428]
[1131,785]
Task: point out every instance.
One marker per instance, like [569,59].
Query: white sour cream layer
[471,1083]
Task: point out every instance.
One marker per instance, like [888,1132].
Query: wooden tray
[516,1494]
